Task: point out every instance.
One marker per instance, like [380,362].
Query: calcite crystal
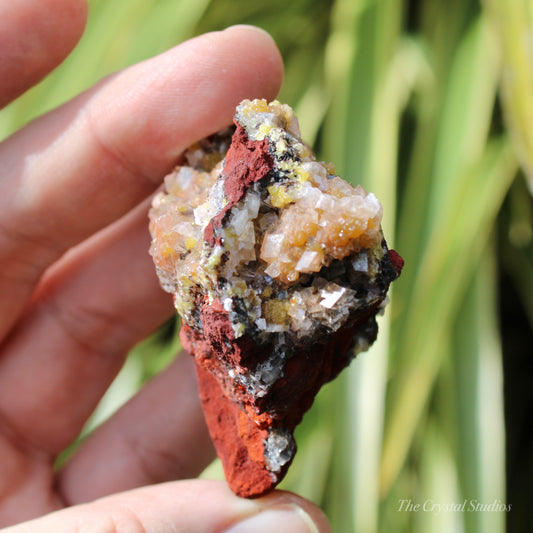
[278,268]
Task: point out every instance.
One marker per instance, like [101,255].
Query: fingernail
[287,518]
[250,27]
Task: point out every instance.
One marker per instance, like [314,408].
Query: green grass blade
[454,137]
[513,22]
[479,399]
[451,257]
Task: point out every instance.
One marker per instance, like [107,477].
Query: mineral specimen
[278,268]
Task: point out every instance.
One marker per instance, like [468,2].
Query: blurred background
[428,104]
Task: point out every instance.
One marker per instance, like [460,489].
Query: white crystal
[309,262]
[252,203]
[183,178]
[373,203]
[246,253]
[276,328]
[184,228]
[239,218]
[247,234]
[329,299]
[201,214]
[315,169]
[279,449]
[326,202]
[273,270]
[267,220]
[272,244]
[293,127]
[159,200]
[360,263]
[296,313]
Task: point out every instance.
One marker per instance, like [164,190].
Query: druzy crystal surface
[278,268]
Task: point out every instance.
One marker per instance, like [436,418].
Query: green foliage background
[429,104]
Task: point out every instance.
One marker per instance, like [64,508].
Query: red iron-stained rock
[278,269]
[239,443]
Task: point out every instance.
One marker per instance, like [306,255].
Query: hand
[78,288]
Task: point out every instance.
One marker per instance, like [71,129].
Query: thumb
[198,506]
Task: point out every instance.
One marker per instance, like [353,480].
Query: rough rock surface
[278,269]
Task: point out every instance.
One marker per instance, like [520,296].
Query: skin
[78,288]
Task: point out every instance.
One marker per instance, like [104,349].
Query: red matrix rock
[245,163]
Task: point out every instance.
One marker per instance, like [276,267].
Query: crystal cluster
[278,268]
